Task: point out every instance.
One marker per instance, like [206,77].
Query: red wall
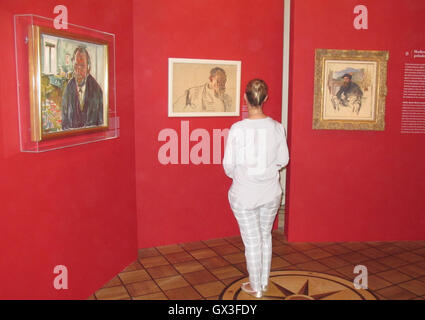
[180,203]
[343,185]
[354,185]
[76,206]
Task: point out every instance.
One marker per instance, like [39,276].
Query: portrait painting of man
[350,89]
[82,100]
[203,87]
[73,92]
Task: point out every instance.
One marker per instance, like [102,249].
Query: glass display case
[65,84]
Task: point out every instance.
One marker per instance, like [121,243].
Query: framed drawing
[68,76]
[350,89]
[203,88]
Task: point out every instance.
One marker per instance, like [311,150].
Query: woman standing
[256,150]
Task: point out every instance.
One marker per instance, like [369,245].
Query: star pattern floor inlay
[301,285]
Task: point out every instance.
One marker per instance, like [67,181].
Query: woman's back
[255,152]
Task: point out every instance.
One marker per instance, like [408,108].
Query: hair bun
[256,91]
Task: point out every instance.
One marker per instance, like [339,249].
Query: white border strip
[285,68]
[285,85]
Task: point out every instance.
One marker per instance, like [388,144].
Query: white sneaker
[256,294]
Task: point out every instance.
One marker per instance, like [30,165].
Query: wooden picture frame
[350,89]
[68,75]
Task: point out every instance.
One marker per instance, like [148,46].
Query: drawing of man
[82,100]
[209,97]
[349,94]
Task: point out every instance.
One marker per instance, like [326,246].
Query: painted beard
[82,83]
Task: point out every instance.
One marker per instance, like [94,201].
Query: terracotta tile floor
[202,270]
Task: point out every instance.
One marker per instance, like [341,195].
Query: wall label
[413,103]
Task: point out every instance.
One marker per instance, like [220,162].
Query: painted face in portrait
[347,80]
[81,68]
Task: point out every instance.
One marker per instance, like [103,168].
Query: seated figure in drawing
[209,97]
[349,95]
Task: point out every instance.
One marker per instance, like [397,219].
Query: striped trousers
[255,226]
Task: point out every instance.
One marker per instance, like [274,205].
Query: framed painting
[203,88]
[68,76]
[350,89]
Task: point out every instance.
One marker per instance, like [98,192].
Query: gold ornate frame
[378,62]
[35,79]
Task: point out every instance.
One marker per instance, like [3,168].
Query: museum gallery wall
[356,185]
[75,206]
[184,201]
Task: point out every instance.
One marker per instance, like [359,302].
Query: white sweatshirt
[255,151]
